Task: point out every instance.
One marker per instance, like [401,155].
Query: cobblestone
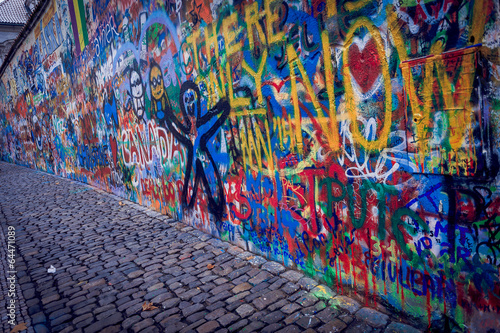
[357,327]
[245,310]
[372,317]
[227,319]
[307,283]
[292,276]
[208,327]
[273,267]
[400,328]
[257,261]
[269,298]
[260,277]
[290,288]
[242,287]
[345,303]
[335,325]
[112,256]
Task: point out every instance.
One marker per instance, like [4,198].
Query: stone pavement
[111,256]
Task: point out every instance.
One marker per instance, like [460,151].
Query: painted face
[136,85]
[190,99]
[156,82]
[137,90]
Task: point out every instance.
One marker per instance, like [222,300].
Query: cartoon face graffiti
[160,103]
[191,100]
[156,82]
[137,92]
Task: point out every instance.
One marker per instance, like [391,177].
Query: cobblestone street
[123,268]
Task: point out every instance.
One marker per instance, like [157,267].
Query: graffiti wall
[357,141]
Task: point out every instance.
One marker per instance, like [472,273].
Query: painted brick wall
[357,141]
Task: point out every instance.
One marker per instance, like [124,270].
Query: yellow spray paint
[331,132]
[257,75]
[257,145]
[271,19]
[231,31]
[252,17]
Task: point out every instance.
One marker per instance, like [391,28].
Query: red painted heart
[364,65]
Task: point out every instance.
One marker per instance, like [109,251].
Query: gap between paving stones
[112,258]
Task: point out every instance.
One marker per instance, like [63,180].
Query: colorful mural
[357,141]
